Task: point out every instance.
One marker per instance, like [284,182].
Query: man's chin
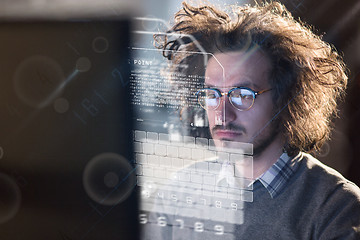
[231,140]
[239,139]
[231,145]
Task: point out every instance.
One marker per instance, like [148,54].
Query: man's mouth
[227,134]
[231,132]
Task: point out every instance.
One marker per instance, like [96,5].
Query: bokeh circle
[109,179]
[38,80]
[10,198]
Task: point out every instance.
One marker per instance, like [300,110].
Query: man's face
[241,69]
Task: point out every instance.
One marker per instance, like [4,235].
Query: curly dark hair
[308,76]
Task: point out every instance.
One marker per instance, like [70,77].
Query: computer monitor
[66,155]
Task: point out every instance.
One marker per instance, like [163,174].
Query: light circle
[109,179]
[10,198]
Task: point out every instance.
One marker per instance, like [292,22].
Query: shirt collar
[279,174]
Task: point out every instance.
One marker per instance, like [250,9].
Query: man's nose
[226,110]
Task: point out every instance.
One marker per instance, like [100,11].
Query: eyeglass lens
[240,98]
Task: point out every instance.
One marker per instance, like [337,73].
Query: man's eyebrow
[209,86]
[247,84]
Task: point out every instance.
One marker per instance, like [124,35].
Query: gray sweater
[317,203]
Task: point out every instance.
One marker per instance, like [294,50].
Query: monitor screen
[66,158]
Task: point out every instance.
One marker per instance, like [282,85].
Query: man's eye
[246,96]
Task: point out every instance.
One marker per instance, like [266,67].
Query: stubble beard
[263,140]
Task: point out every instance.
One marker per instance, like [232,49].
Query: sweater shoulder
[326,179]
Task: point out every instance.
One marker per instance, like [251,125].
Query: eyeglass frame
[254,93]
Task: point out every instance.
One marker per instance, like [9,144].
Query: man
[271,82]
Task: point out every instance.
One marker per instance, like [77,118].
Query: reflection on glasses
[242,98]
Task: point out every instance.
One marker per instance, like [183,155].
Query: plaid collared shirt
[276,177]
